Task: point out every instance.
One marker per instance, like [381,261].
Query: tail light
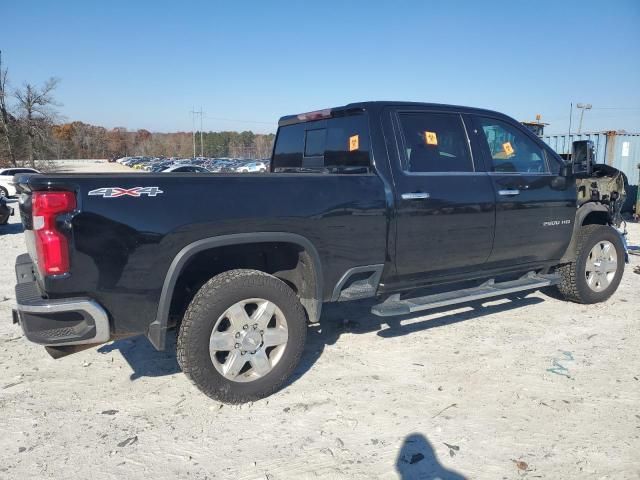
[51,245]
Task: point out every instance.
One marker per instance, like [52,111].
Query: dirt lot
[532,387]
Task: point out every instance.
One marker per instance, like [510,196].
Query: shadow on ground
[144,359]
[417,459]
[337,318]
[356,318]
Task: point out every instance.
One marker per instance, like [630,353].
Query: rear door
[444,198]
[534,213]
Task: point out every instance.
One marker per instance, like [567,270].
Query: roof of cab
[375,106]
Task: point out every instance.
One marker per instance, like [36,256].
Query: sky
[147,64]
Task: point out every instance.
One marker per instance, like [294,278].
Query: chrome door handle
[415,196]
[508,193]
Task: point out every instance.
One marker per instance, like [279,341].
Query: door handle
[508,193]
[415,196]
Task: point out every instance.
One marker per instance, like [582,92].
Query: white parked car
[253,167]
[7,189]
[179,168]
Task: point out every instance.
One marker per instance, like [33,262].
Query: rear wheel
[242,336]
[4,192]
[597,270]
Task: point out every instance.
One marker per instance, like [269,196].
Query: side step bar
[394,306]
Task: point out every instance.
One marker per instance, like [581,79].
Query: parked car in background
[7,188]
[253,167]
[185,169]
[5,210]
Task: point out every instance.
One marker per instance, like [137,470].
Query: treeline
[31,132]
[80,140]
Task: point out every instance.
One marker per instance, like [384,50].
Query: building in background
[536,126]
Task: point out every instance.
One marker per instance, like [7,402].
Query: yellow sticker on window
[354,142]
[507,148]
[431,138]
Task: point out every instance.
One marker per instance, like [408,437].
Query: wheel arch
[311,298]
[592,213]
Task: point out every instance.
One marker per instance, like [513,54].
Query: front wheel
[4,192]
[597,270]
[242,336]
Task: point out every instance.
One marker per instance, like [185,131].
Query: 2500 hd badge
[553,223]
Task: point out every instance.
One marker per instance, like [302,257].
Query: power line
[616,108]
[238,120]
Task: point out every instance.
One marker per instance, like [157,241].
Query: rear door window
[434,142]
[510,149]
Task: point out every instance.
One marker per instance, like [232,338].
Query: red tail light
[52,246]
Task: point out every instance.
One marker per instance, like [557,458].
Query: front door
[444,200]
[534,212]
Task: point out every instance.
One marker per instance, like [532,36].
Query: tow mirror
[582,157]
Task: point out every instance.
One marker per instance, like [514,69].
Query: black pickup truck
[373,199]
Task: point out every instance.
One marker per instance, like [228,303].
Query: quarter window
[510,149]
[435,142]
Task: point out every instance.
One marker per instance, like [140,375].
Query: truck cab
[472,192]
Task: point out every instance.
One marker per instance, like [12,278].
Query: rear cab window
[333,145]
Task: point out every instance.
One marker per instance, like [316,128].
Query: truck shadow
[356,318]
[337,319]
[143,358]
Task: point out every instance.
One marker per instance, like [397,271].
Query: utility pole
[201,144]
[193,129]
[193,134]
[582,107]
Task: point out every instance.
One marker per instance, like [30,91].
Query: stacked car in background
[194,165]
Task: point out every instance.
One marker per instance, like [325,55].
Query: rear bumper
[69,321]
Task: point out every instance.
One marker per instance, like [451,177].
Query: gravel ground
[531,387]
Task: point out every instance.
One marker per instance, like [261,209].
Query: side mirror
[582,157]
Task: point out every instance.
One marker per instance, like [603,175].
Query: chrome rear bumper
[59,322]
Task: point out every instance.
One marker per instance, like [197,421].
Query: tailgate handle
[509,193]
[415,196]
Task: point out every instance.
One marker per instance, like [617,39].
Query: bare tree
[4,113]
[35,105]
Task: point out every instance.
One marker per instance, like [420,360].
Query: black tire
[573,284]
[4,192]
[211,301]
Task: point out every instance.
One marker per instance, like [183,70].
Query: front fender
[582,212]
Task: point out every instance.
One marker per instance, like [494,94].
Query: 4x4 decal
[114,192]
